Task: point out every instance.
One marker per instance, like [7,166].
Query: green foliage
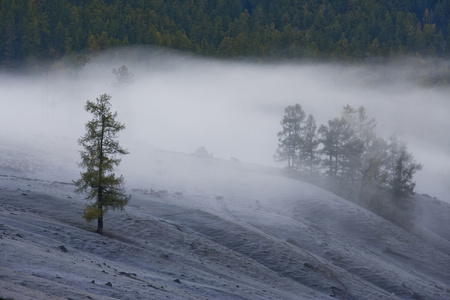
[291,28]
[357,164]
[341,147]
[402,169]
[400,183]
[78,62]
[123,75]
[290,138]
[99,157]
[309,157]
[91,212]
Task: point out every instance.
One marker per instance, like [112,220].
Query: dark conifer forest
[287,29]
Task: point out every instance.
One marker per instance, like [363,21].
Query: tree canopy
[347,157]
[99,156]
[290,138]
[48,29]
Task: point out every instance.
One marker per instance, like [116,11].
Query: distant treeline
[345,29]
[347,157]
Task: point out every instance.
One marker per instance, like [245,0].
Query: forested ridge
[346,29]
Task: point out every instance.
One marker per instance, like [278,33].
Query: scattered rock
[177,281]
[109,284]
[337,292]
[152,286]
[93,281]
[131,275]
[140,191]
[158,194]
[63,249]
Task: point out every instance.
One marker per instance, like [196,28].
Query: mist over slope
[179,103]
[222,230]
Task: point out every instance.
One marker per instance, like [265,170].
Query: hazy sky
[234,109]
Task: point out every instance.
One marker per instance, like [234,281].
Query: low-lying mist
[233,108]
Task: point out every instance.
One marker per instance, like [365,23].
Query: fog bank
[179,103]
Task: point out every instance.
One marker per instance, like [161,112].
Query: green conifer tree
[98,158]
[310,142]
[290,138]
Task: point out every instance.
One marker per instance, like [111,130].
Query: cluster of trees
[349,158]
[285,28]
[346,155]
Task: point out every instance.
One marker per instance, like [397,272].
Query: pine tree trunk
[100,184]
[100,225]
[100,207]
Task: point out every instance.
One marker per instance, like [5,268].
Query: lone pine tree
[123,76]
[99,156]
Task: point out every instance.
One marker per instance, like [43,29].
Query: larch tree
[123,75]
[99,157]
[310,142]
[402,168]
[290,137]
[341,148]
[373,172]
[332,141]
[370,170]
[362,126]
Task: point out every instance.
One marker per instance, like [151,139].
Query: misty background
[233,108]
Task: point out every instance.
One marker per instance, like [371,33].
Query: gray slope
[238,232]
